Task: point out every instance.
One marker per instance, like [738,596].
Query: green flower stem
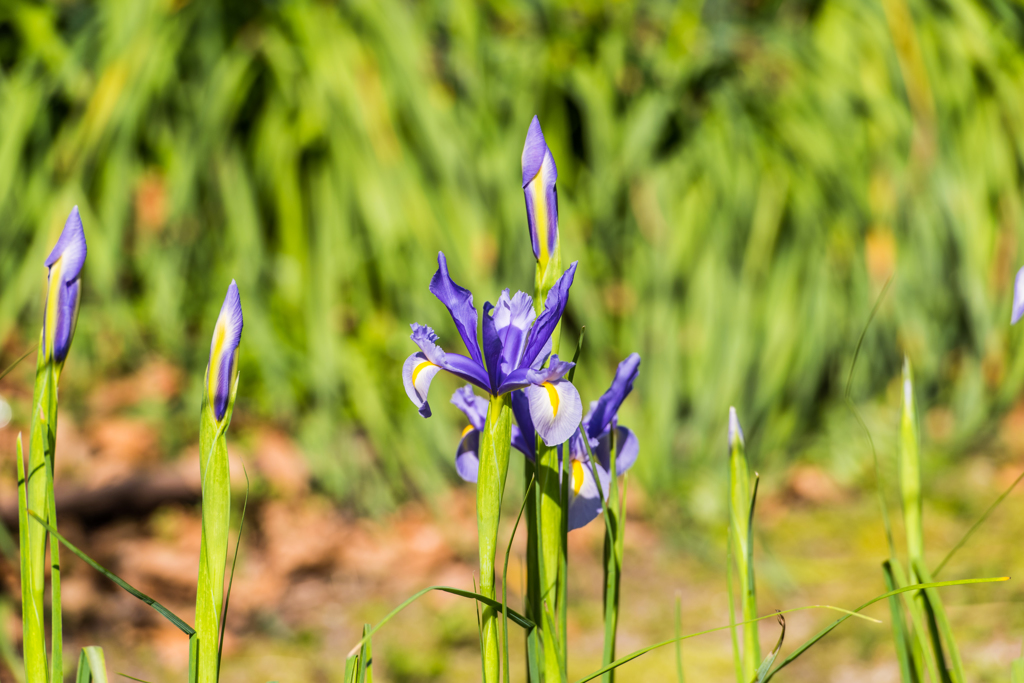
[216,519]
[551,535]
[739,522]
[38,492]
[495,444]
[613,550]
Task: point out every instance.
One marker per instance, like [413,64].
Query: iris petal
[417,373]
[492,346]
[467,462]
[555,409]
[1018,297]
[585,500]
[64,292]
[606,407]
[547,321]
[539,177]
[472,406]
[459,302]
[227,334]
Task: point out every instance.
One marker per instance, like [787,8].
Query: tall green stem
[216,519]
[742,551]
[495,444]
[38,494]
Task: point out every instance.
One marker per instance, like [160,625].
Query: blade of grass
[92,667]
[908,672]
[366,658]
[516,617]
[166,613]
[56,615]
[231,578]
[942,625]
[848,397]
[132,678]
[638,653]
[504,577]
[680,677]
[762,670]
[828,629]
[13,365]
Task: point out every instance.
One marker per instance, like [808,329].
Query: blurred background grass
[737,179]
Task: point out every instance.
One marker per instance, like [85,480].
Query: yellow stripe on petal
[553,397]
[53,305]
[577,477]
[419,368]
[465,431]
[540,214]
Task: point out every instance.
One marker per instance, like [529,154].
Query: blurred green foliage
[737,179]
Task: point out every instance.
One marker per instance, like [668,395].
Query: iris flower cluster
[516,358]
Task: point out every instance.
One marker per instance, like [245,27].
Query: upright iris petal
[224,352]
[539,176]
[1018,297]
[64,291]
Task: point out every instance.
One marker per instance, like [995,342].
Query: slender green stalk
[216,521]
[740,512]
[909,673]
[680,676]
[910,470]
[613,544]
[504,581]
[38,493]
[495,444]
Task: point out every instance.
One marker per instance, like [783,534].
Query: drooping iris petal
[472,406]
[467,460]
[227,334]
[1018,297]
[528,436]
[735,431]
[547,321]
[586,501]
[605,409]
[64,291]
[459,302]
[539,177]
[425,338]
[627,447]
[417,373]
[555,409]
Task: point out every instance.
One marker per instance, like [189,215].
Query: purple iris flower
[600,423]
[64,293]
[1018,297]
[585,497]
[516,344]
[539,176]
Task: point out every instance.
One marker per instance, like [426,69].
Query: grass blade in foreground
[740,520]
[762,670]
[166,613]
[803,648]
[92,667]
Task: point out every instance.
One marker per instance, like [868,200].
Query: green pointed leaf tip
[741,499]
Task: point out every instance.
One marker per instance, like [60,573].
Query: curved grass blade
[974,527]
[515,616]
[92,667]
[680,677]
[167,614]
[132,678]
[918,586]
[762,670]
[848,398]
[575,356]
[846,615]
[504,574]
[231,578]
[15,363]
